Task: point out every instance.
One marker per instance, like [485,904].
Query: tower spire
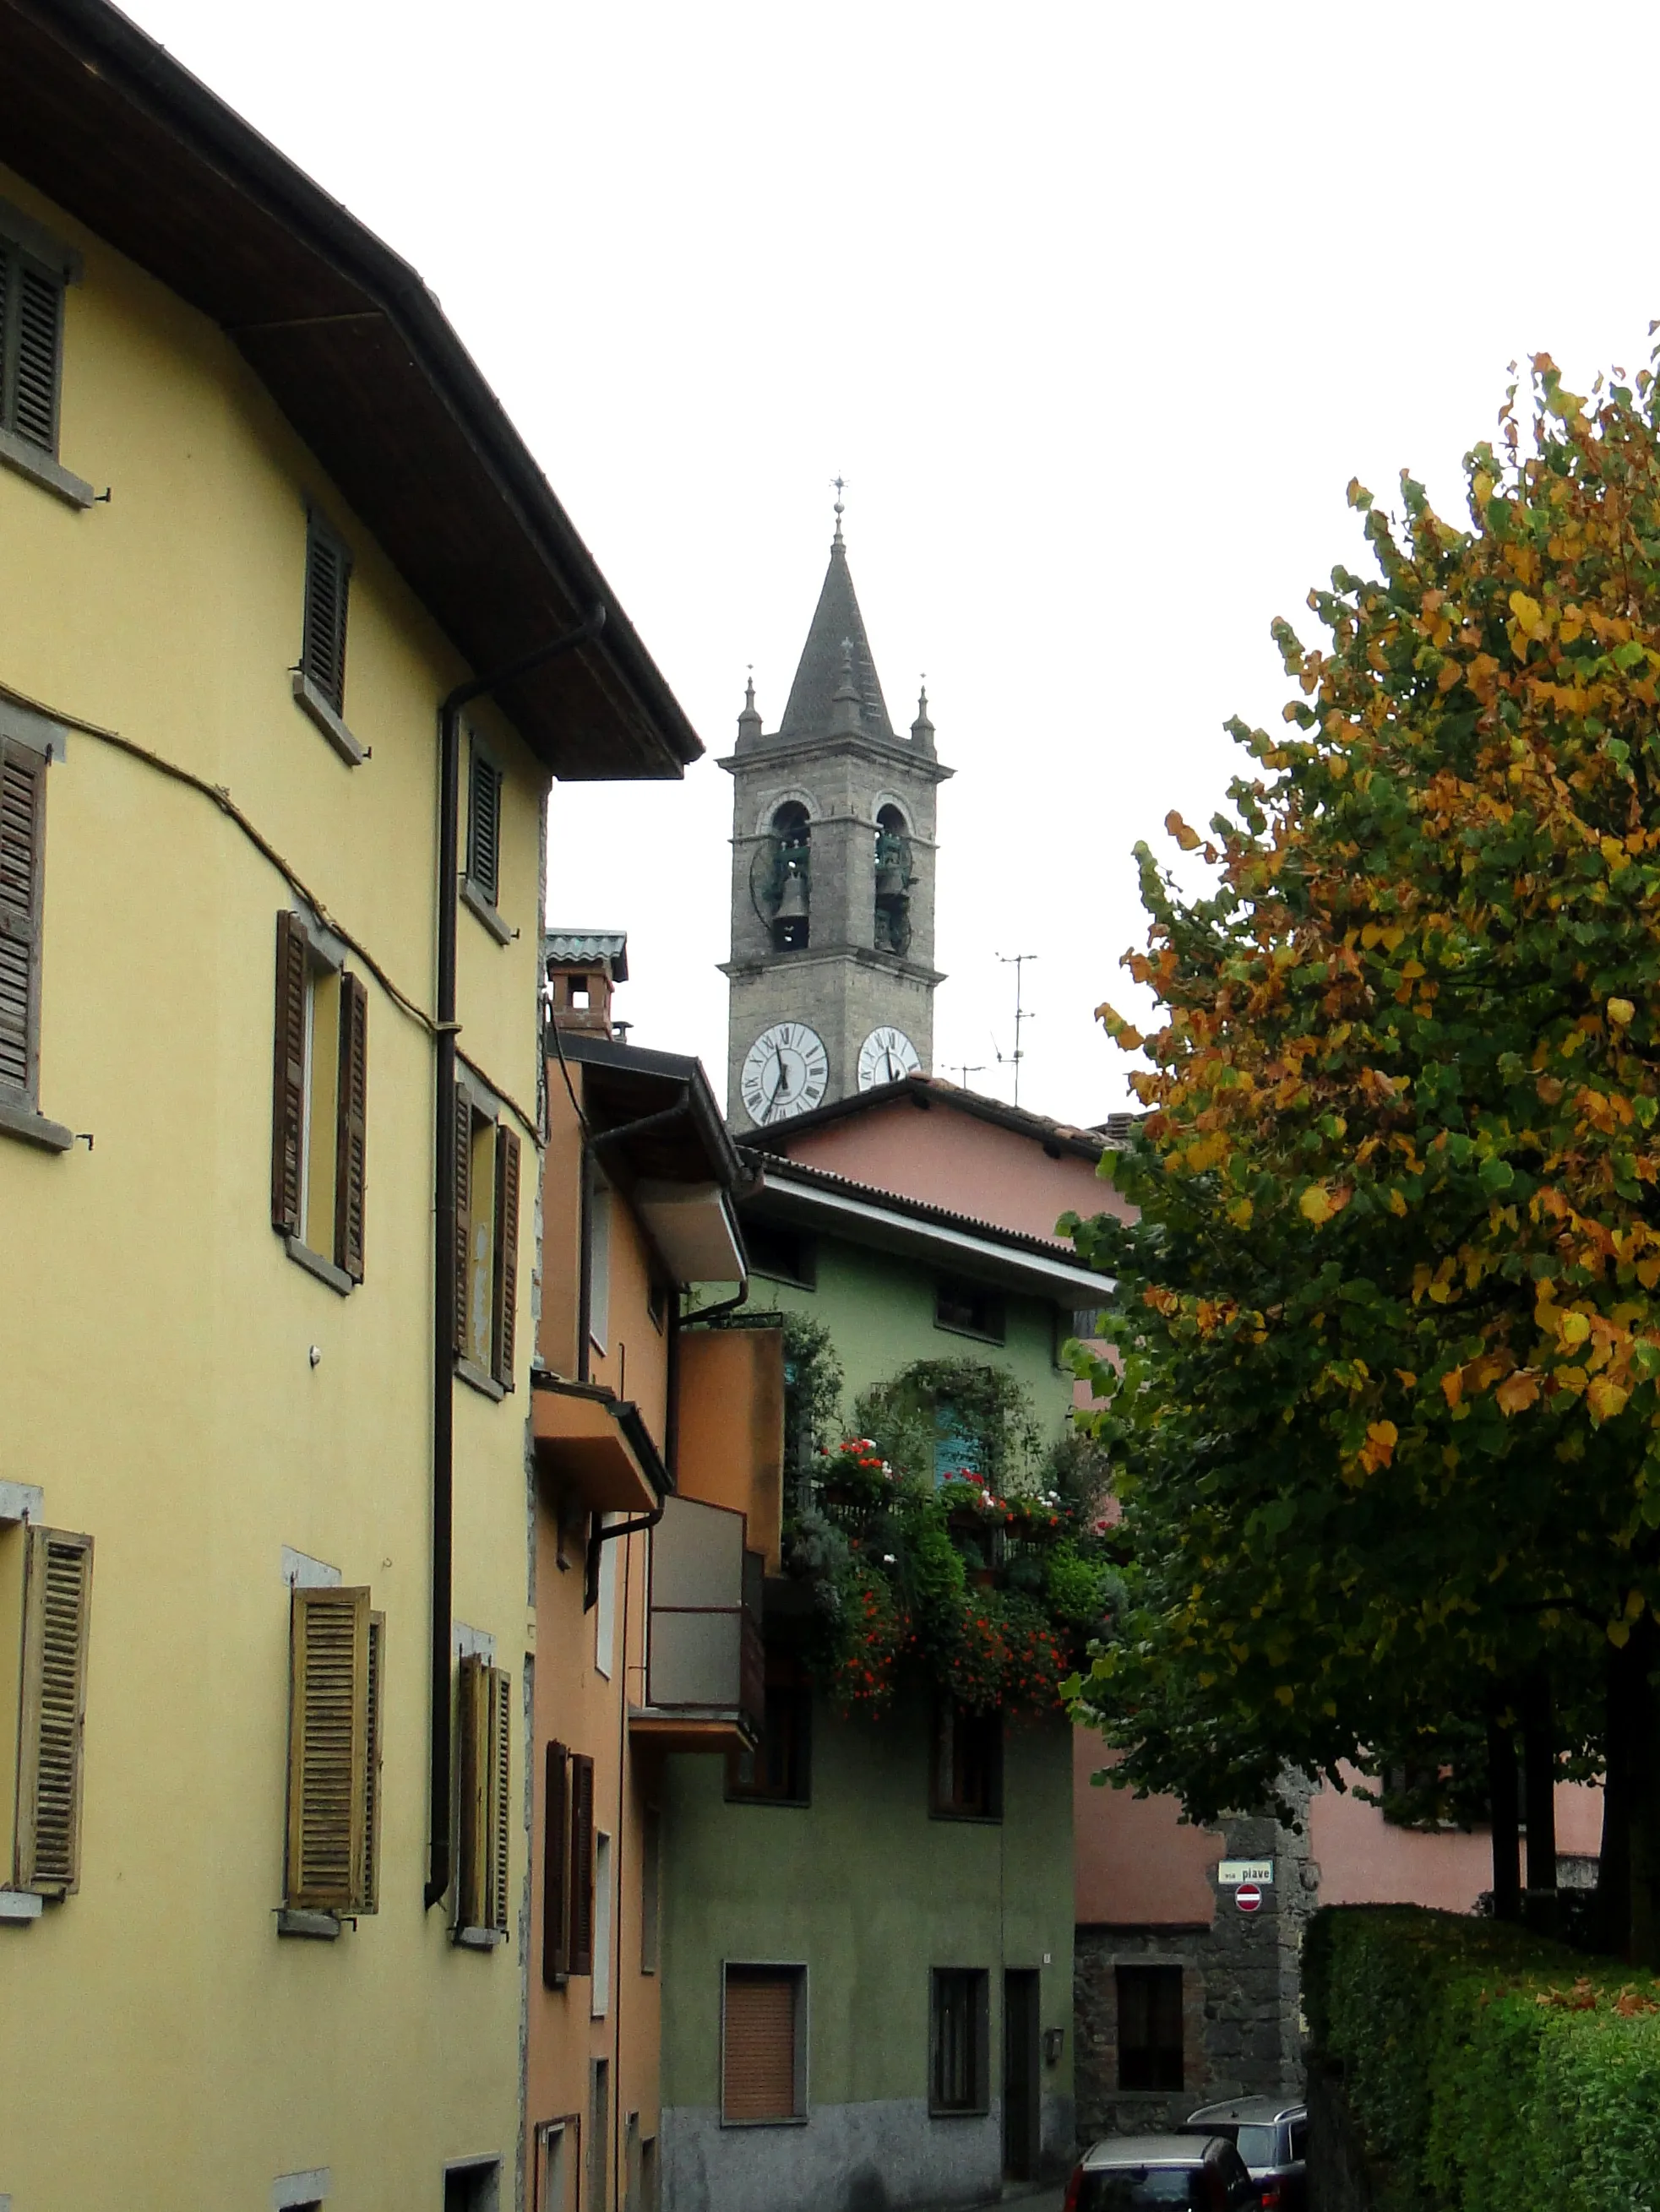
[837,629]
[838,484]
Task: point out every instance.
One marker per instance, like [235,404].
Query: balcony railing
[705,1669]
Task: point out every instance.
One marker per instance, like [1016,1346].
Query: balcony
[598,1442]
[705,1671]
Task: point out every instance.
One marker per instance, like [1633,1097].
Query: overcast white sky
[1096,307]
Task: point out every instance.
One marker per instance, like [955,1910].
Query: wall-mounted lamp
[1055,2042]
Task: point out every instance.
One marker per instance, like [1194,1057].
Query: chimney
[583,967]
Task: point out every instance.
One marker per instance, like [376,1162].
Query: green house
[867,1925]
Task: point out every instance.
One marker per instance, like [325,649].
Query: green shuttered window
[31,348]
[328,587]
[57,1602]
[319,1100]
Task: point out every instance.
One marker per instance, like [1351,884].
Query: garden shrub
[1486,2067]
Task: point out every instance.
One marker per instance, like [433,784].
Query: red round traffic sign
[1247,1897]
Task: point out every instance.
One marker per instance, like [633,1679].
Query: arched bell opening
[780,877]
[894,875]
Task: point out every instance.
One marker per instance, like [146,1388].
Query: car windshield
[1134,2186]
[1257,2145]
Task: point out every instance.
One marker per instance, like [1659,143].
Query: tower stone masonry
[831,974]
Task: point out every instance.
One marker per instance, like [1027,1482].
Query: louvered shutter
[473,1792]
[328,1747]
[507,1256]
[287,1136]
[555,1866]
[759,2050]
[582,1864]
[498,1806]
[328,583]
[38,329]
[57,1595]
[351,1126]
[22,872]
[368,1880]
[463,1214]
[484,826]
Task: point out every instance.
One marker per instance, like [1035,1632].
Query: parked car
[1272,2136]
[1122,2173]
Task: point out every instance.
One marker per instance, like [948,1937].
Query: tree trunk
[1503,1782]
[1644,1651]
[1539,1792]
[1618,1755]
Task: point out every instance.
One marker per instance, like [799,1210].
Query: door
[1022,2136]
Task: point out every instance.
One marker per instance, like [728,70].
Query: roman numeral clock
[831,975]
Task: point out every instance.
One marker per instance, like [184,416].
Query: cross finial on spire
[749,688]
[838,484]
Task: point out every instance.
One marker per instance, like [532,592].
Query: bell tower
[831,974]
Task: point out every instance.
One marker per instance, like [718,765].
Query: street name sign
[1232,1871]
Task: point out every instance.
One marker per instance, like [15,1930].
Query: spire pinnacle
[749,722]
[838,484]
[844,700]
[921,729]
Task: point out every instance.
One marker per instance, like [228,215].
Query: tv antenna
[1018,961]
[964,1070]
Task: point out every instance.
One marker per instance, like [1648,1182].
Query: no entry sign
[1247,1897]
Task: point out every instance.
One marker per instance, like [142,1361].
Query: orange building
[659,1471]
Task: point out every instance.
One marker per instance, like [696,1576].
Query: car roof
[1151,2150]
[1248,2111]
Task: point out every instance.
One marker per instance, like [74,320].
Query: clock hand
[778,1077]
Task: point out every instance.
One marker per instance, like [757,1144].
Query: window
[598,2196]
[474,2187]
[599,1989]
[57,1596]
[968,1310]
[555,2176]
[335,1672]
[320,680]
[557,1867]
[779,1772]
[31,347]
[957,1442]
[484,826]
[319,1104]
[763,2079]
[582,1864]
[597,1232]
[1149,2028]
[783,1256]
[604,1610]
[959,2039]
[791,871]
[968,1763]
[483,1829]
[486,1243]
[23,889]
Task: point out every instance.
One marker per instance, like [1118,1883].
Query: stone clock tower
[833,849]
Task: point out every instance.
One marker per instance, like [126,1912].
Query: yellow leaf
[1635,1605]
[1285,1694]
[1409,1380]
[1239,1213]
[1619,1634]
[1517,1392]
[1453,1386]
[1482,487]
[1381,1437]
[1605,1399]
[1186,838]
[1528,613]
[1315,1204]
[1573,1329]
[1620,1011]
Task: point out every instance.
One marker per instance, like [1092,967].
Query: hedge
[1487,2069]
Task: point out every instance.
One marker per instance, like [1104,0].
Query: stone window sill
[39,467]
[316,1927]
[480,1379]
[310,701]
[21,1906]
[784,2120]
[477,1939]
[475,903]
[18,1119]
[315,1264]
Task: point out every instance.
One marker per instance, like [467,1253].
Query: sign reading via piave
[1232,1873]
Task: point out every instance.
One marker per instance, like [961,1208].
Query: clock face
[784,1072]
[885,1056]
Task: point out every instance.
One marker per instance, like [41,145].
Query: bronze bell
[890,882]
[792,903]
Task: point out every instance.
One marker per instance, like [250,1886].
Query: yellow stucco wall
[161,2045]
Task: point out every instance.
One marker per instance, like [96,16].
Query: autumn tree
[1388,1419]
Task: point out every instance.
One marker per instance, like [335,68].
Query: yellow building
[270,907]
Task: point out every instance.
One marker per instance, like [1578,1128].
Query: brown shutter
[34,413]
[472,1785]
[328,1747]
[556,1865]
[328,584]
[289,1075]
[23,864]
[507,1255]
[56,1600]
[463,1213]
[368,1886]
[758,2046]
[499,1801]
[582,1864]
[351,1126]
[484,826]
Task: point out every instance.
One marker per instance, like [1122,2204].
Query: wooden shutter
[328,1747]
[57,1599]
[463,1215]
[33,412]
[484,826]
[351,1126]
[22,868]
[328,583]
[472,1783]
[287,1111]
[367,1898]
[555,1867]
[582,1864]
[758,2046]
[507,1255]
[498,1804]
